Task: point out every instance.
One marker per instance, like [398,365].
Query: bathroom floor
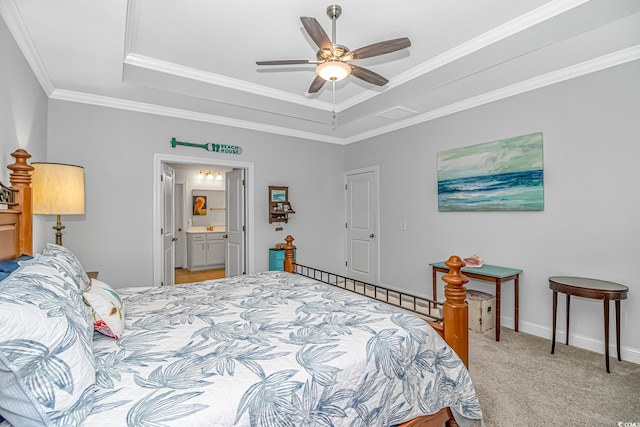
[182,275]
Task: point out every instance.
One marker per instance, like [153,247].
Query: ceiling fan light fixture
[333,71]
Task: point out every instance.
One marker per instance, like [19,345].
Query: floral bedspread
[273,349]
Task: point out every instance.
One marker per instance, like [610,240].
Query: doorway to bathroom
[181,201]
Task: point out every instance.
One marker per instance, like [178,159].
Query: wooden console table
[594,289]
[489,273]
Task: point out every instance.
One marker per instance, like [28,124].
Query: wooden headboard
[16,226]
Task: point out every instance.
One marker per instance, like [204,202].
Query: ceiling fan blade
[317,33]
[316,85]
[286,62]
[368,75]
[376,49]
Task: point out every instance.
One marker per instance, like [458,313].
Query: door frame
[376,171]
[158,160]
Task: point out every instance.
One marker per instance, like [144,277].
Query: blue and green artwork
[499,175]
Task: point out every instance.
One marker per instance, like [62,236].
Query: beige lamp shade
[57,189]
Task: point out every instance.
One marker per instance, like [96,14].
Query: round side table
[594,289]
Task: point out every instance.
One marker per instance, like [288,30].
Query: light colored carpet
[520,383]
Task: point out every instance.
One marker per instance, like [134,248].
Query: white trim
[143,107]
[376,171]
[128,28]
[158,160]
[173,69]
[516,25]
[11,15]
[587,67]
[597,64]
[629,354]
[508,29]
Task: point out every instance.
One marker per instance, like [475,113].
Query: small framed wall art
[199,205]
[278,194]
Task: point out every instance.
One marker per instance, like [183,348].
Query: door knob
[175,239]
[372,235]
[179,229]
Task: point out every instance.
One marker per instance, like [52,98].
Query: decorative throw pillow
[47,372]
[67,263]
[107,309]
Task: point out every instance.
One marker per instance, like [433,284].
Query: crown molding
[521,23]
[142,107]
[508,29]
[170,68]
[11,15]
[587,67]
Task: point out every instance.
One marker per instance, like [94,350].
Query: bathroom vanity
[205,248]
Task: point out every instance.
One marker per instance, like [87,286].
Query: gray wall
[116,149]
[23,115]
[589,226]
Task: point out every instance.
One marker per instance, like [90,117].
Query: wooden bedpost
[455,310]
[289,258]
[20,179]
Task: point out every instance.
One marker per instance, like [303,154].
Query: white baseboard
[629,354]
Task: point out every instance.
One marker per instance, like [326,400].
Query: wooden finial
[289,259]
[455,292]
[20,179]
[20,175]
[455,309]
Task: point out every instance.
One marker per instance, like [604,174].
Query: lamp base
[58,227]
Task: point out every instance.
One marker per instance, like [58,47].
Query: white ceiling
[195,59]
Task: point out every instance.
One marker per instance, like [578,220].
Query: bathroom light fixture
[209,175]
[200,174]
[333,70]
[218,176]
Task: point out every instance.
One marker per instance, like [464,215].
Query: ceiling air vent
[397,113]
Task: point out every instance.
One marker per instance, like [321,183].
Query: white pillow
[107,308]
[47,372]
[66,263]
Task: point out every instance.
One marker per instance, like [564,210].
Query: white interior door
[362,226]
[235,256]
[179,232]
[168,224]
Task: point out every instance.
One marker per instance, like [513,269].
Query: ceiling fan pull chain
[334,97]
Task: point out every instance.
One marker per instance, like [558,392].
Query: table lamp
[57,189]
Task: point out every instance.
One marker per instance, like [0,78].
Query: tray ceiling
[196,59]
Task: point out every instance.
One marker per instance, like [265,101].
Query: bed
[266,349]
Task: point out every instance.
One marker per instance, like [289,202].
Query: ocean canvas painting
[493,176]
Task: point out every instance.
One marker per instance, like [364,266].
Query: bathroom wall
[215,208]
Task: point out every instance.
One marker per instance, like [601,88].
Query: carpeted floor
[520,383]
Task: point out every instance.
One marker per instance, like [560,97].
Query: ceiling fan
[332,59]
